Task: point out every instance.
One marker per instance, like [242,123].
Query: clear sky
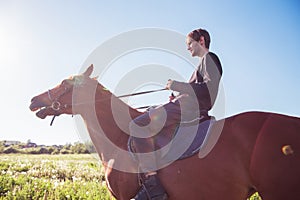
[43,42]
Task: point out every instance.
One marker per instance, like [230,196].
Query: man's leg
[143,128]
[144,148]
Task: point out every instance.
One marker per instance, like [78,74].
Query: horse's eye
[78,81]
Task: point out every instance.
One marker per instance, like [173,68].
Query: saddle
[182,140]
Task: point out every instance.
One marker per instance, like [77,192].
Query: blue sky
[43,42]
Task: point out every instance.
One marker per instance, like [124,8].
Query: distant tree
[90,147]
[11,149]
[2,146]
[55,152]
[43,150]
[79,148]
[65,151]
[67,146]
[50,149]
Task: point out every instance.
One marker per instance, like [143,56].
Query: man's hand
[169,83]
[171,97]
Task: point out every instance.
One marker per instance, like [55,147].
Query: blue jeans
[147,125]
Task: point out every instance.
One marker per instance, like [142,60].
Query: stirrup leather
[151,189]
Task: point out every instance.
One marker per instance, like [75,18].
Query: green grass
[255,197]
[49,177]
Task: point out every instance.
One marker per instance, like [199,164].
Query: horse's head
[60,99]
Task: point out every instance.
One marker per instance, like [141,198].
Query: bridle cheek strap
[56,105]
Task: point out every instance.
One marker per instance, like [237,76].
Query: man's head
[198,42]
[200,34]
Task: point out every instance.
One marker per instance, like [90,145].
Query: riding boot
[151,189]
[148,159]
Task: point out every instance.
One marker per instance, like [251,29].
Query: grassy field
[53,177]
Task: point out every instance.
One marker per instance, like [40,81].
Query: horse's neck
[108,119]
[107,123]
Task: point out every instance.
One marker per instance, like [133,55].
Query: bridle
[56,105]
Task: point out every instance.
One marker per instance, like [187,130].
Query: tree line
[25,148]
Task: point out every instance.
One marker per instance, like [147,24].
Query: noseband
[55,104]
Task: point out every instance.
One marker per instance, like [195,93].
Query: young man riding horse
[196,98]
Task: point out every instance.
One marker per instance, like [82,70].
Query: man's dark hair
[196,34]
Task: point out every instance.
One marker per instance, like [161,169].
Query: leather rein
[56,105]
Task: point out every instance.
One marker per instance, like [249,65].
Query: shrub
[65,151]
[10,149]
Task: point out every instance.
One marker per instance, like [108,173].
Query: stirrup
[151,189]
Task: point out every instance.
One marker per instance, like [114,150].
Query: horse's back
[275,162]
[224,170]
[256,150]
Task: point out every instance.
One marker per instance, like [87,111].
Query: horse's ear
[89,70]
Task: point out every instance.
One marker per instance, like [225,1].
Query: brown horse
[256,151]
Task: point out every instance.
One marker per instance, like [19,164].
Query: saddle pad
[187,141]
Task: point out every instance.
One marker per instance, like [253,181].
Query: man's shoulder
[212,55]
[216,60]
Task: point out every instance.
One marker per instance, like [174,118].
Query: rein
[56,105]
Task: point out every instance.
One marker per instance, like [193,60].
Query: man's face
[193,46]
